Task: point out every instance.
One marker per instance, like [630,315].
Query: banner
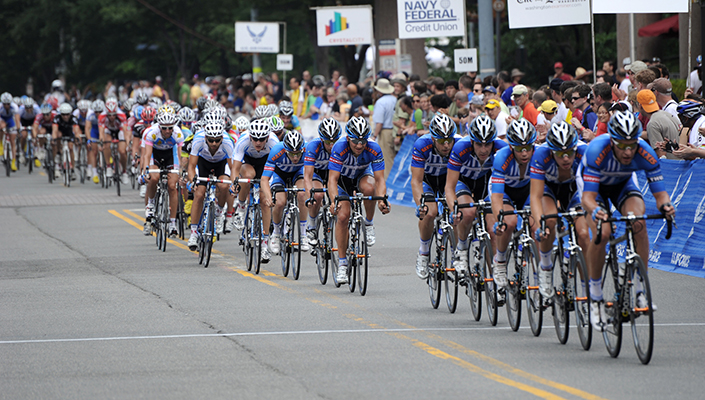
[430,18]
[257,37]
[342,26]
[639,6]
[538,13]
[399,179]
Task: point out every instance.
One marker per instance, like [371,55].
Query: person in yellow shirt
[298,98]
[157,90]
[196,91]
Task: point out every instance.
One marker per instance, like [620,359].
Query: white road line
[318,332]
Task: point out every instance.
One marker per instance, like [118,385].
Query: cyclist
[691,116]
[316,169]
[28,111]
[251,153]
[261,112]
[163,142]
[65,125]
[42,126]
[242,124]
[112,124]
[608,174]
[286,113]
[277,126]
[93,134]
[429,161]
[553,169]
[510,190]
[356,164]
[212,152]
[284,169]
[469,171]
[10,123]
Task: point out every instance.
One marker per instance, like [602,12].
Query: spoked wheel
[156,224]
[333,253]
[117,172]
[295,244]
[180,215]
[361,254]
[49,165]
[450,275]
[164,219]
[284,244]
[434,274]
[612,333]
[65,165]
[82,163]
[352,260]
[476,277]
[256,239]
[561,318]
[514,277]
[490,286]
[101,169]
[208,237]
[581,299]
[6,157]
[533,296]
[30,156]
[246,237]
[322,250]
[641,312]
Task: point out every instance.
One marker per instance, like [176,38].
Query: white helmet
[166,119]
[214,130]
[261,112]
[65,108]
[242,123]
[259,129]
[6,98]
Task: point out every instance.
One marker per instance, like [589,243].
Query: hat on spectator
[558,65]
[647,99]
[247,77]
[636,67]
[399,78]
[477,99]
[492,104]
[490,89]
[519,90]
[580,73]
[158,78]
[516,72]
[548,106]
[662,85]
[383,86]
[556,84]
[626,61]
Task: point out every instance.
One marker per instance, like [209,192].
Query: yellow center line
[138,226]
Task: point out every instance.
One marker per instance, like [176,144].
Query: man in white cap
[383,115]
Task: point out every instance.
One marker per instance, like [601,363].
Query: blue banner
[399,179]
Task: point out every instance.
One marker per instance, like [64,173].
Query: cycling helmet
[156,101]
[187,115]
[211,104]
[57,84]
[176,106]
[148,114]
[137,111]
[483,130]
[213,130]
[111,106]
[212,118]
[358,128]
[259,129]
[28,102]
[689,109]
[261,112]
[201,103]
[96,106]
[286,109]
[624,126]
[273,110]
[521,133]
[127,105]
[276,123]
[242,123]
[166,119]
[83,105]
[329,129]
[442,127]
[293,141]
[142,98]
[6,98]
[562,136]
[228,122]
[17,100]
[46,108]
[165,109]
[65,109]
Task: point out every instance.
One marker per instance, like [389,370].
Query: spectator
[196,91]
[437,86]
[465,84]
[184,91]
[559,74]
[382,118]
[602,93]
[494,111]
[306,76]
[643,78]
[633,69]
[490,93]
[520,95]
[401,117]
[355,99]
[314,103]
[609,69]
[663,89]
[582,102]
[505,87]
[157,90]
[622,82]
[343,108]
[451,89]
[329,104]
[601,76]
[603,118]
[418,87]
[537,99]
[662,126]
[547,113]
[477,106]
[694,79]
[517,75]
[277,87]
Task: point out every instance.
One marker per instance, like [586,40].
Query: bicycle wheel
[333,253]
[475,278]
[323,246]
[6,158]
[117,172]
[247,235]
[155,218]
[612,333]
[284,243]
[257,238]
[164,218]
[434,274]
[208,237]
[180,214]
[490,287]
[581,299]
[642,318]
[49,164]
[514,277]
[561,318]
[361,254]
[295,244]
[450,275]
[352,258]
[30,155]
[65,166]
[82,163]
[534,307]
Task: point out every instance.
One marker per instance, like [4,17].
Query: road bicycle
[48,156]
[357,253]
[29,149]
[251,238]
[82,162]
[290,249]
[206,225]
[161,218]
[7,156]
[442,248]
[569,279]
[626,289]
[66,166]
[115,157]
[323,249]
[479,278]
[522,273]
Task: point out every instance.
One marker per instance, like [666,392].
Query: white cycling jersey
[244,147]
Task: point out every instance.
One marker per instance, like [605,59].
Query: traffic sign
[465,60]
[285,62]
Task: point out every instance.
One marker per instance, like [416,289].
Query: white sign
[430,18]
[537,13]
[285,62]
[639,6]
[465,60]
[405,63]
[256,37]
[342,26]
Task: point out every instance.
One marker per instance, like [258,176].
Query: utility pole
[487,50]
[256,62]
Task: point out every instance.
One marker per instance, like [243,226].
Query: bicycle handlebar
[199,179]
[170,171]
[569,214]
[360,197]
[312,200]
[248,181]
[630,218]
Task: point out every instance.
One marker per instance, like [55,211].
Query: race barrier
[681,254]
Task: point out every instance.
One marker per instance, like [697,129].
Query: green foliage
[679,86]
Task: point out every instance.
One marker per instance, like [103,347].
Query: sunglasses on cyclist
[294,154]
[167,128]
[329,142]
[358,141]
[444,142]
[259,139]
[214,140]
[526,148]
[624,146]
[564,153]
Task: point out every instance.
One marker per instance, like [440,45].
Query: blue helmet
[521,133]
[624,126]
[689,109]
[358,128]
[483,129]
[561,136]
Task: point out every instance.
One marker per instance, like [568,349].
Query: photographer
[662,125]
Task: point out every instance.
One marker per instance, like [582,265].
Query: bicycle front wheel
[361,254]
[295,244]
[323,247]
[450,275]
[333,253]
[7,157]
[257,238]
[475,282]
[82,163]
[641,310]
[164,218]
[534,307]
[247,236]
[434,280]
[117,172]
[352,258]
[561,319]
[612,333]
[490,287]
[514,277]
[209,235]
[581,299]
[284,244]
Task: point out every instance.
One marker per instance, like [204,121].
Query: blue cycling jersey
[30,113]
[463,159]
[316,155]
[425,156]
[8,114]
[601,167]
[506,172]
[545,168]
[351,166]
[279,160]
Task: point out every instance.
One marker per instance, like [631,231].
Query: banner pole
[594,58]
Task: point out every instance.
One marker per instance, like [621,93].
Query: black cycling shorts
[205,168]
[166,155]
[256,163]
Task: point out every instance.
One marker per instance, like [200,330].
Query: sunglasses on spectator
[572,99]
[214,140]
[477,90]
[358,141]
[625,146]
[564,153]
[520,149]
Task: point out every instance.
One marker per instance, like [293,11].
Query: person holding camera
[662,125]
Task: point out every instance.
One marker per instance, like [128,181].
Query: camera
[669,146]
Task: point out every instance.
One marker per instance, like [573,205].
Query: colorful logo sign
[337,24]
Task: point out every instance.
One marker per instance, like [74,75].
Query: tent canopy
[659,28]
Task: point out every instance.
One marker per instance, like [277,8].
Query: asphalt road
[90,309]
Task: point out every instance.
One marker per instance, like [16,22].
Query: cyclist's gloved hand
[538,234]
[418,212]
[142,179]
[496,226]
[190,186]
[597,210]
